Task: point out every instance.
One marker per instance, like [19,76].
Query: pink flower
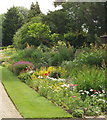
[99,92]
[22,62]
[71,85]
[73,96]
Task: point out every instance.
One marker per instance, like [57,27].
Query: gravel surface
[7,108]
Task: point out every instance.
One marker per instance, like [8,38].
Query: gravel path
[7,108]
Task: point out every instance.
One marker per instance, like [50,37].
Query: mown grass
[28,102]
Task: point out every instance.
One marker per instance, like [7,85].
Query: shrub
[32,34]
[22,66]
[89,78]
[91,58]
[78,113]
[75,39]
[62,53]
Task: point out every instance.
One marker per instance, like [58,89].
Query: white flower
[97,111]
[93,95]
[81,91]
[102,100]
[103,91]
[48,77]
[99,100]
[40,77]
[31,71]
[61,79]
[101,95]
[86,92]
[91,89]
[54,79]
[64,85]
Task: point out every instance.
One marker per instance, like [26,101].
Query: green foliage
[75,39]
[57,21]
[25,77]
[34,11]
[55,74]
[89,78]
[12,22]
[22,66]
[90,16]
[32,34]
[1,21]
[91,57]
[45,56]
[78,113]
[55,37]
[76,17]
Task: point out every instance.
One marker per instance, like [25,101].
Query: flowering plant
[22,66]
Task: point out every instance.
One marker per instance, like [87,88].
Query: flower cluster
[50,72]
[22,66]
[22,62]
[93,93]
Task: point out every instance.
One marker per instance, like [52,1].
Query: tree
[34,11]
[57,21]
[24,13]
[85,16]
[32,34]
[13,21]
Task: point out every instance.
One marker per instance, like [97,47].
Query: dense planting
[75,84]
[60,54]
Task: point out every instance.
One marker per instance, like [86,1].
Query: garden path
[7,108]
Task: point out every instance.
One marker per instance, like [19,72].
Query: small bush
[22,66]
[75,39]
[78,113]
[91,57]
[89,78]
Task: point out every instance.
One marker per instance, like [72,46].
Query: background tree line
[76,23]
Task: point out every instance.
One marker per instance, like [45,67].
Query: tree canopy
[34,11]
[32,34]
[14,19]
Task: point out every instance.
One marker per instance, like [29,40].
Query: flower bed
[64,92]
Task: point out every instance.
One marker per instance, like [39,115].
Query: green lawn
[29,103]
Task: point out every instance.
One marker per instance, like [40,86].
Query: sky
[45,5]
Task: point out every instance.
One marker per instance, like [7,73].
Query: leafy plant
[55,74]
[22,66]
[78,113]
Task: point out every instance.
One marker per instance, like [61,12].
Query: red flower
[46,74]
[94,90]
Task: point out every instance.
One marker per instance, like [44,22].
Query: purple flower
[22,62]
